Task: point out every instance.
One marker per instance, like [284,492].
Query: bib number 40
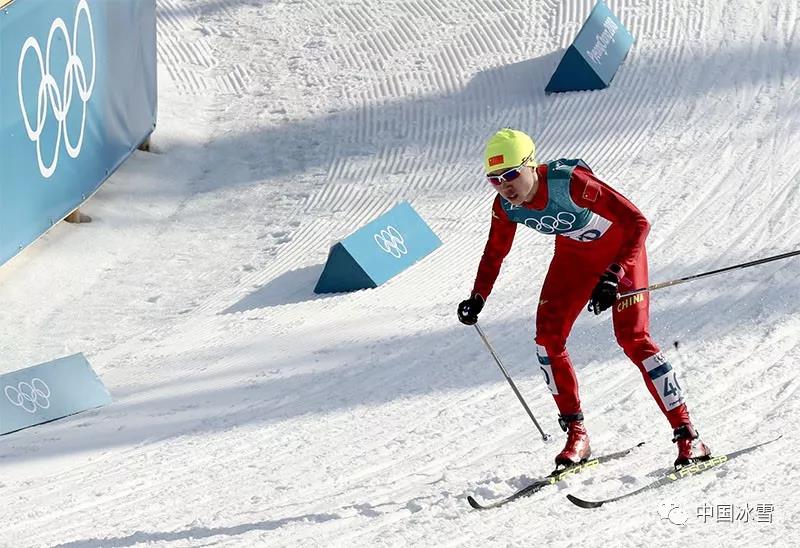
[672,389]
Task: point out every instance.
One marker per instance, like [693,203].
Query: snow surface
[250,412]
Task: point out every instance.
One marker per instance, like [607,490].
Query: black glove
[604,294]
[468,310]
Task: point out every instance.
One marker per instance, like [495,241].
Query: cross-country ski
[552,478]
[681,473]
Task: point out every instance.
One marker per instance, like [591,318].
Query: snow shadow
[512,95]
[195,533]
[353,372]
[294,286]
[493,98]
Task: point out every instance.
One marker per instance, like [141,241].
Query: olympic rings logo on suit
[563,221]
[391,241]
[30,396]
[52,97]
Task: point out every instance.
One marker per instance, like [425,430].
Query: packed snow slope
[250,412]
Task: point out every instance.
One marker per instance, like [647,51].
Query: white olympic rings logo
[30,396]
[391,241]
[51,96]
[563,221]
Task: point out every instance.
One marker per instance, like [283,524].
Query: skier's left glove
[605,292]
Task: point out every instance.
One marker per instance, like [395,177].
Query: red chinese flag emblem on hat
[494,160]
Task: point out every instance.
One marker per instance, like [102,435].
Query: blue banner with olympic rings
[77,97]
[594,57]
[49,391]
[378,251]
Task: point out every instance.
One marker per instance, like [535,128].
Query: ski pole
[705,274]
[545,437]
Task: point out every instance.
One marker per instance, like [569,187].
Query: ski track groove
[188,62]
[170,14]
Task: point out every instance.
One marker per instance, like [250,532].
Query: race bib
[547,369]
[596,227]
[665,380]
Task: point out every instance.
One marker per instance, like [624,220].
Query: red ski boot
[577,447]
[691,448]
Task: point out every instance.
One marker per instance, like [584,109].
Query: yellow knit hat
[508,148]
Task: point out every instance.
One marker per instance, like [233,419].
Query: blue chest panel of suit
[561,216]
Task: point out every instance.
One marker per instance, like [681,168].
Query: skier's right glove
[604,294]
[468,310]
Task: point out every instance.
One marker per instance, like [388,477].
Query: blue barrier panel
[77,96]
[49,391]
[594,57]
[378,251]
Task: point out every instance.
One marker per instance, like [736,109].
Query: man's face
[520,189]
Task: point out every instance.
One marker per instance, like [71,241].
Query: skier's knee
[553,346]
[637,346]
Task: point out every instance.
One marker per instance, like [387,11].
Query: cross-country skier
[599,246]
